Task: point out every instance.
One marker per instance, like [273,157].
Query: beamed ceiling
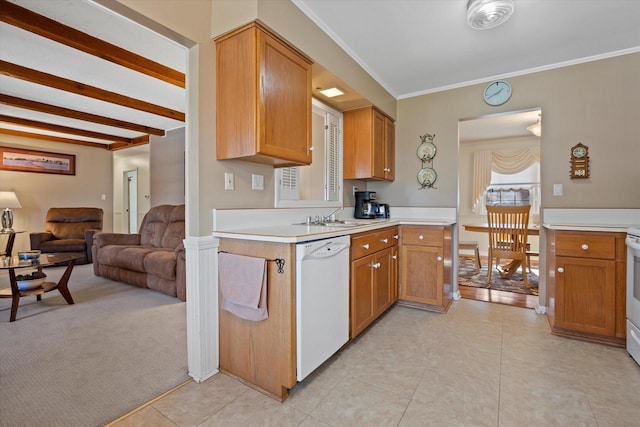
[77,73]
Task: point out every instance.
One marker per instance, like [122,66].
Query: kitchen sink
[335,223]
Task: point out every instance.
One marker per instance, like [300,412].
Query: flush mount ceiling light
[332,92]
[484,14]
[536,128]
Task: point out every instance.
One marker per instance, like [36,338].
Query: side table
[11,238]
[13,263]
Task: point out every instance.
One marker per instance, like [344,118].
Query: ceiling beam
[62,129]
[30,21]
[135,142]
[46,79]
[78,115]
[53,138]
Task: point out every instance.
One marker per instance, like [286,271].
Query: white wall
[167,168]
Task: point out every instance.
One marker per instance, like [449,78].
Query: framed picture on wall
[19,160]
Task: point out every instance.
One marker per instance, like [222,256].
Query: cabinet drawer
[368,243]
[585,245]
[422,236]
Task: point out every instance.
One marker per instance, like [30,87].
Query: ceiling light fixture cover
[332,92]
[484,14]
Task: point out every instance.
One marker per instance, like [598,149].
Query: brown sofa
[69,230]
[154,258]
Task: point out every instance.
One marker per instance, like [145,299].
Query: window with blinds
[319,184]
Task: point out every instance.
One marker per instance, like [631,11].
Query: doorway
[498,154]
[130,202]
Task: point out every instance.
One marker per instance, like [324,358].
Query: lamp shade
[536,128]
[8,199]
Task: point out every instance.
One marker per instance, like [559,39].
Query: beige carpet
[86,364]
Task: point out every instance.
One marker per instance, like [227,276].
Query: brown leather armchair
[69,230]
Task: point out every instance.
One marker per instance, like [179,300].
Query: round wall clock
[427,176]
[497,93]
[426,150]
[579,151]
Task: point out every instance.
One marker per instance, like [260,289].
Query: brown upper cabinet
[263,98]
[369,145]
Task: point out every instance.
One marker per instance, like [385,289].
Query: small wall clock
[579,161]
[497,93]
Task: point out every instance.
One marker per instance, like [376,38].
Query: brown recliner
[153,258]
[69,230]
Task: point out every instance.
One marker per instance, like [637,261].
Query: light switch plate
[257,182]
[557,189]
[228,181]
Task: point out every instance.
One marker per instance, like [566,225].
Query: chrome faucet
[328,217]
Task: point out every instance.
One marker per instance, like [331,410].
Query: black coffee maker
[366,205]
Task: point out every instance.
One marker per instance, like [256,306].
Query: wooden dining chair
[508,238]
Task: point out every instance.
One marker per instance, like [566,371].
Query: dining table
[507,270]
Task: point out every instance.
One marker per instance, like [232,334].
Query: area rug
[87,364]
[469,275]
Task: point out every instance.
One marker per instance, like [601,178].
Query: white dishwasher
[322,301]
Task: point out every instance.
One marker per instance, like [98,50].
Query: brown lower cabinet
[586,276]
[263,354]
[426,275]
[374,273]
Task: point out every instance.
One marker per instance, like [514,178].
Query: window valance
[504,162]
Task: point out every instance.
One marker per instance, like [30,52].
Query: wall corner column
[202,306]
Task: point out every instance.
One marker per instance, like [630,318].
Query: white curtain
[504,162]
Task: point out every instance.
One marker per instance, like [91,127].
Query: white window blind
[289,184]
[333,166]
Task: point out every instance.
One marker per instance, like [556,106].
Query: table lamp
[8,200]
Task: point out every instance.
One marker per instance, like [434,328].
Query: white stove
[633,293]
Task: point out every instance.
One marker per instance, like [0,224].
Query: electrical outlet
[353,191]
[228,181]
[557,189]
[257,182]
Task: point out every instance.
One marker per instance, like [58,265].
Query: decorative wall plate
[427,177]
[426,150]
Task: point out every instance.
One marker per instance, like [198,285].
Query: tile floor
[481,364]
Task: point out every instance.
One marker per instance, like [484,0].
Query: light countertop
[286,233]
[607,220]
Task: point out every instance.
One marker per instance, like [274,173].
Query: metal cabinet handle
[394,256]
[395,236]
[376,265]
[421,237]
[439,258]
[585,247]
[385,240]
[560,270]
[366,246]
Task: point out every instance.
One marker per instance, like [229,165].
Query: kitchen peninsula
[263,354]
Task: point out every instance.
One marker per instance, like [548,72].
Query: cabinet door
[382,292]
[284,125]
[585,295]
[390,149]
[394,274]
[421,274]
[379,148]
[362,311]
